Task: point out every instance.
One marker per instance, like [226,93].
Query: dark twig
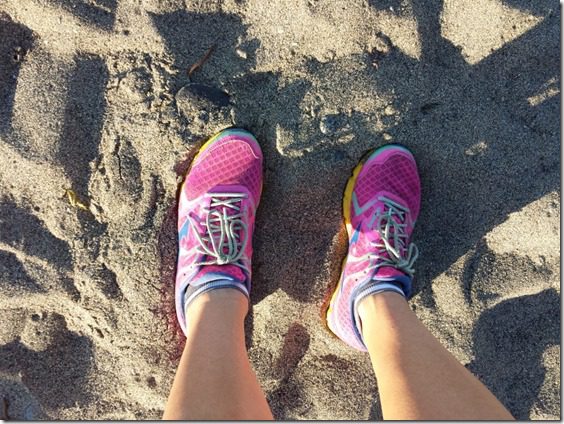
[200,62]
[5,405]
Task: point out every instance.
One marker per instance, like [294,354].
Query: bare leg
[214,380]
[418,378]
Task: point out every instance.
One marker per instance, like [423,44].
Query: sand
[88,103]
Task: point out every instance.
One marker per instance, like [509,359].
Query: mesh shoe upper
[216,215]
[381,205]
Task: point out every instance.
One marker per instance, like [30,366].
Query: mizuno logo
[355,235]
[184,230]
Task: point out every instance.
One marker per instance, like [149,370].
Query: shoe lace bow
[226,236]
[393,247]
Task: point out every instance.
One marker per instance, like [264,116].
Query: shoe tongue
[387,272]
[210,273]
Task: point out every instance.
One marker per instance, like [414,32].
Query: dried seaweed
[74,201]
[200,62]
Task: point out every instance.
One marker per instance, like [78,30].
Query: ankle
[226,300]
[368,307]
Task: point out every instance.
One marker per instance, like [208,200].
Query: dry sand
[87,103]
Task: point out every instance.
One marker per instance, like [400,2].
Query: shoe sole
[334,289]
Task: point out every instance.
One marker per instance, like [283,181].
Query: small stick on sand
[5,405]
[200,62]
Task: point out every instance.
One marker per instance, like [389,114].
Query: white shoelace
[222,243]
[394,229]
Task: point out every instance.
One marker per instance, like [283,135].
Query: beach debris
[205,108]
[389,110]
[200,62]
[241,53]
[193,99]
[382,47]
[477,149]
[19,53]
[332,123]
[5,405]
[74,201]
[233,117]
[387,136]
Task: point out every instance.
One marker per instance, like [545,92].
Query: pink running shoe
[216,218]
[380,206]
